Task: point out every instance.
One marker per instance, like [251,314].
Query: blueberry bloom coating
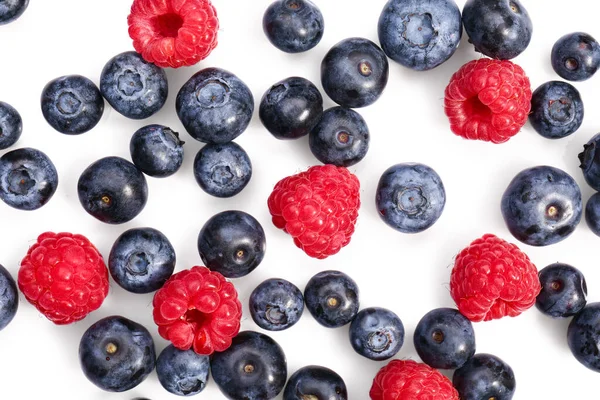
[556,110]
[182,372]
[276,304]
[11,125]
[293,26]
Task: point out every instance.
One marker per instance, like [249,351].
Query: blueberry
[354,72]
[10,10]
[253,368]
[485,376]
[556,110]
[293,26]
[112,190]
[444,339]
[28,179]
[182,372]
[9,298]
[410,197]
[11,125]
[222,169]
[576,56]
[315,382]
[332,298]
[116,354]
[590,162]
[563,292]
[291,108]
[420,34]
[215,106]
[583,336]
[72,104]
[376,333]
[592,213]
[499,29]
[341,137]
[232,243]
[542,206]
[156,150]
[141,260]
[134,87]
[276,304]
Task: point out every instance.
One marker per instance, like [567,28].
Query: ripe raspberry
[410,380]
[173,33]
[198,308]
[493,278]
[488,100]
[318,207]
[64,276]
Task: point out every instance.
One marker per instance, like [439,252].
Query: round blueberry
[332,298]
[576,56]
[590,162]
[556,110]
[276,304]
[182,372]
[10,10]
[485,376]
[563,292]
[315,382]
[9,298]
[156,150]
[222,170]
[583,336]
[376,333]
[293,26]
[592,213]
[11,125]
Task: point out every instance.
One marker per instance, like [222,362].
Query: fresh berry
[341,138]
[253,368]
[141,260]
[276,304]
[156,150]
[318,208]
[215,106]
[420,35]
[171,33]
[64,277]
[590,162]
[291,108]
[113,190]
[576,56]
[376,333]
[492,279]
[198,309]
[592,213]
[11,125]
[182,372]
[410,380]
[444,339]
[116,354]
[293,26]
[72,104]
[222,169]
[10,10]
[410,197]
[564,291]
[134,87]
[28,179]
[556,110]
[332,298]
[488,100]
[315,382]
[542,206]
[354,72]
[9,298]
[583,336]
[485,376]
[232,243]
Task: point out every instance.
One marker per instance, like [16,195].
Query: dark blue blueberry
[341,137]
[542,206]
[420,34]
[134,87]
[156,150]
[253,368]
[116,354]
[563,292]
[293,26]
[485,376]
[410,197]
[332,298]
[276,304]
[10,10]
[28,179]
[113,190]
[222,169]
[72,104]
[592,213]
[500,29]
[556,110]
[182,372]
[9,298]
[444,339]
[354,72]
[232,243]
[583,336]
[215,106]
[376,333]
[141,260]
[576,56]
[315,382]
[291,108]
[590,162]
[11,125]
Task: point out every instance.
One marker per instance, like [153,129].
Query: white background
[407,274]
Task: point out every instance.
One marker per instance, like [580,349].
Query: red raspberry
[318,207]
[173,33]
[198,308]
[410,380]
[493,278]
[64,276]
[488,100]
